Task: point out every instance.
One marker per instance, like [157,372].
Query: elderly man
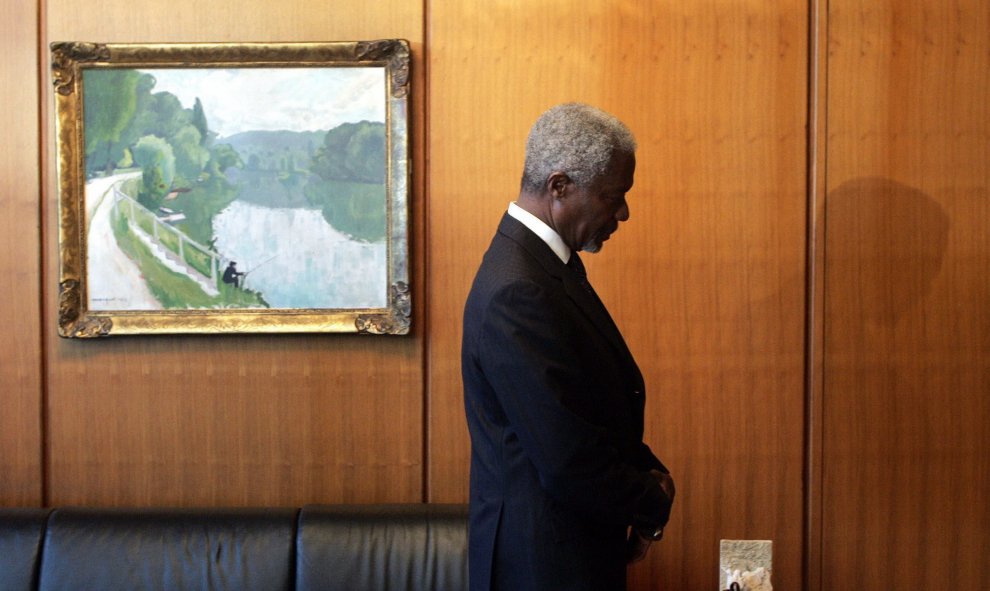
[564,492]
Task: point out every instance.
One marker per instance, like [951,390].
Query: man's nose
[623,213]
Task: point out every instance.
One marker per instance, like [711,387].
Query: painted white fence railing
[122,202]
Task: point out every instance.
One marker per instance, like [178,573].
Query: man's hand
[667,486]
[666,483]
[636,546]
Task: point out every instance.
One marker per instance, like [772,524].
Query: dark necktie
[575,264]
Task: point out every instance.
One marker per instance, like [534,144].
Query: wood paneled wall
[20,304]
[907,296]
[706,279]
[253,420]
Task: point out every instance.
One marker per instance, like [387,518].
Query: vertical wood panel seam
[814,306]
[426,492]
[43,193]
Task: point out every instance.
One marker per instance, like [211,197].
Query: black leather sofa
[320,547]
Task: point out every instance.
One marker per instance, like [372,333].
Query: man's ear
[557,184]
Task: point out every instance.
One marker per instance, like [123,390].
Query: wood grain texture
[815,296]
[907,321]
[706,280]
[20,350]
[239,420]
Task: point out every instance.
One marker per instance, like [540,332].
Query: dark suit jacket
[554,404]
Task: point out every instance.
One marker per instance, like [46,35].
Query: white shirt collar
[545,232]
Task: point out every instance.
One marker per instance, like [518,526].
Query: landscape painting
[234,196]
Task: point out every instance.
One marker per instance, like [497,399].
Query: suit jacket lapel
[585,299]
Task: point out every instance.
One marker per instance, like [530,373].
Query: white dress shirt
[545,232]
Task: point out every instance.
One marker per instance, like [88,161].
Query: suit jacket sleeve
[536,359]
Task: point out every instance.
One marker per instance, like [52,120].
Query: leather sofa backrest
[109,549]
[21,534]
[382,548]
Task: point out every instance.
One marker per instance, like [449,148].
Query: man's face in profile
[593,213]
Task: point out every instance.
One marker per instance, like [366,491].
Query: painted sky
[292,99]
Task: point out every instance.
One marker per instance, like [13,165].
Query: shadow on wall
[884,246]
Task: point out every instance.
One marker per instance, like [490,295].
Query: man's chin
[592,246]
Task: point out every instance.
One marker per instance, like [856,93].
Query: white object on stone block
[747,562]
[757,580]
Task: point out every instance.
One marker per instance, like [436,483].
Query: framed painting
[232,188]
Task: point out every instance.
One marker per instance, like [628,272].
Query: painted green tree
[129,124]
[157,161]
[352,152]
[109,104]
[190,155]
[199,122]
[350,189]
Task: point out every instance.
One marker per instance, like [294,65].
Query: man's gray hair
[575,139]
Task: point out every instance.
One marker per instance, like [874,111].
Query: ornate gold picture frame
[232,188]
